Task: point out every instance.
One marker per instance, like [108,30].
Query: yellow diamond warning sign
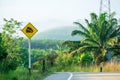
[29,30]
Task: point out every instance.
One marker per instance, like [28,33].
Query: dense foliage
[10,50]
[100,36]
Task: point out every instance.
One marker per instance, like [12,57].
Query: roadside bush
[64,60]
[86,59]
[11,62]
[21,73]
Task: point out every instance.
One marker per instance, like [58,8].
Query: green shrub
[21,73]
[86,59]
[64,60]
[11,62]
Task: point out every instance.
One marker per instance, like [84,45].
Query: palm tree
[100,35]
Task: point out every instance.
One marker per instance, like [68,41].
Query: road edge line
[71,75]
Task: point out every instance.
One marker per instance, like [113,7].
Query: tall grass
[111,67]
[76,68]
[107,67]
[21,73]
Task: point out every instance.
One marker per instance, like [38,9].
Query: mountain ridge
[61,33]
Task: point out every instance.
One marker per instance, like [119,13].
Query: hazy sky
[46,14]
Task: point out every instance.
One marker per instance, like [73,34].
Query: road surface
[83,76]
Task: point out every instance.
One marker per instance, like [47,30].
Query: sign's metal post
[29,56]
[29,30]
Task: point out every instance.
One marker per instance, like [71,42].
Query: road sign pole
[29,56]
[29,30]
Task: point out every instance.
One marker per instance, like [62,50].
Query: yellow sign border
[29,35]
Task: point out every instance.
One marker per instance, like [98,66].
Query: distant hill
[61,33]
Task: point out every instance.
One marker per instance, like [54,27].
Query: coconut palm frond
[102,33]
[82,27]
[78,32]
[90,42]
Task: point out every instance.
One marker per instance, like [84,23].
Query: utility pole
[105,7]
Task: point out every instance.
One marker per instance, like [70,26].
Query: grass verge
[21,73]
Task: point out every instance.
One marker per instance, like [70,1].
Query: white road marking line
[97,75]
[71,75]
[93,77]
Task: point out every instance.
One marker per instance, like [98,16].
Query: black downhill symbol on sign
[29,30]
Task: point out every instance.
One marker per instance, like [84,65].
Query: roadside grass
[76,68]
[111,67]
[106,67]
[21,73]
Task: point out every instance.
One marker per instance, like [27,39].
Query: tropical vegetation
[100,36]
[99,44]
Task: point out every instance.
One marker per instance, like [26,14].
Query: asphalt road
[58,76]
[83,76]
[95,76]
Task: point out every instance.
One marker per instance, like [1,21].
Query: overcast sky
[47,14]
